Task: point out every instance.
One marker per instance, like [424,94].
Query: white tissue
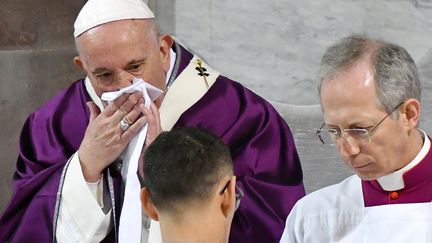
[131,216]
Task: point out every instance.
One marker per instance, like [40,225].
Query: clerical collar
[173,56]
[98,101]
[395,181]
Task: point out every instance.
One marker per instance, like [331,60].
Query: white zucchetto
[97,12]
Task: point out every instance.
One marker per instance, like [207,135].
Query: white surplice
[337,214]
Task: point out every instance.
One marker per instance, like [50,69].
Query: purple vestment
[265,159]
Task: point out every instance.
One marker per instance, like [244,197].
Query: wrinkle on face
[114,47]
[347,95]
[349,100]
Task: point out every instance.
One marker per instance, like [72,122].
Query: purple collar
[418,187]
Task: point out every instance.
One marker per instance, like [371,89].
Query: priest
[370,97]
[74,168]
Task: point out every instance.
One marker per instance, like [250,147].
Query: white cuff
[81,216]
[96,189]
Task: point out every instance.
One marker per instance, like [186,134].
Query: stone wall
[36,53]
[274,46]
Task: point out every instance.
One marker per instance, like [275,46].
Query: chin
[365,178]
[368,176]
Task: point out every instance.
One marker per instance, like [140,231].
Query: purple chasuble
[264,155]
[418,187]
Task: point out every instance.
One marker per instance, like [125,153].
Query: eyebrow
[351,125]
[102,70]
[135,62]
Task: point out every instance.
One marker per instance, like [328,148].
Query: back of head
[183,167]
[395,72]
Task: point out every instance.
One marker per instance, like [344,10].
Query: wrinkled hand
[104,140]
[154,124]
[153,131]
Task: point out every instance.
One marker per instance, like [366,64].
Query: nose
[124,79]
[347,146]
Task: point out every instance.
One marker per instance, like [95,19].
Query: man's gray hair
[395,73]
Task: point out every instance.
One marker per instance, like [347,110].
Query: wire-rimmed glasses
[361,135]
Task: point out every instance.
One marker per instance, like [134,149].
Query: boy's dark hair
[183,166]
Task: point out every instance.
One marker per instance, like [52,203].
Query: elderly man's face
[114,53]
[349,101]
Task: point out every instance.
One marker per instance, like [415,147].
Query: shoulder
[326,213]
[225,81]
[65,99]
[54,131]
[63,116]
[346,194]
[232,92]
[239,95]
[241,102]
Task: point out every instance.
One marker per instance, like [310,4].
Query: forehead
[350,95]
[118,40]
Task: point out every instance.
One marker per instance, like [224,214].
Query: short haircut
[395,73]
[183,167]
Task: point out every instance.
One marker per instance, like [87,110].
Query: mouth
[361,167]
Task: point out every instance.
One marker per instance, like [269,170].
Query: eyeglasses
[361,135]
[239,194]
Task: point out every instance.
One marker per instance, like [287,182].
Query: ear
[411,110]
[148,205]
[166,41]
[78,62]
[228,198]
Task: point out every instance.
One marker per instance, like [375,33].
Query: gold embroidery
[202,72]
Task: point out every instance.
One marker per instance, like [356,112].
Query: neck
[202,227]
[395,181]
[417,139]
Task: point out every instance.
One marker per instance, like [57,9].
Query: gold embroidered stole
[185,91]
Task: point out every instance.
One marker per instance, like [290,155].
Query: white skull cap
[98,12]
